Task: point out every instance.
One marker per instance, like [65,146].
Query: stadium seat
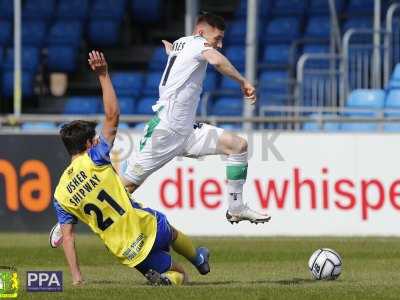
[8,83]
[158,59]
[127,105]
[396,73]
[236,33]
[289,7]
[1,55]
[210,81]
[359,127]
[127,83]
[229,84]
[274,81]
[230,126]
[360,7]
[374,99]
[148,11]
[277,54]
[66,33]
[283,29]
[263,10]
[81,105]
[236,55]
[109,9]
[5,33]
[226,106]
[6,9]
[273,98]
[72,9]
[321,7]
[30,57]
[62,59]
[326,126]
[318,27]
[393,99]
[358,23]
[104,32]
[152,82]
[316,48]
[144,105]
[33,33]
[38,126]
[38,9]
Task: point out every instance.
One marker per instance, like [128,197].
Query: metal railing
[359,60]
[392,41]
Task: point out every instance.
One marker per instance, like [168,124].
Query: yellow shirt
[95,195]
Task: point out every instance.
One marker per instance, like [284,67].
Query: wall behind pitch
[311,184]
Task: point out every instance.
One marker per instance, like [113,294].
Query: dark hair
[212,20]
[75,135]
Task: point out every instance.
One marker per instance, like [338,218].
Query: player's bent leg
[175,276]
[183,245]
[236,172]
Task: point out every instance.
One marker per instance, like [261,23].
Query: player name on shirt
[80,186]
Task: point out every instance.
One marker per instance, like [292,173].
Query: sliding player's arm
[224,66]
[98,64]
[68,233]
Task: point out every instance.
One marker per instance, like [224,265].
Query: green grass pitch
[241,268]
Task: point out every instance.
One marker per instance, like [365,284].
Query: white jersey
[182,83]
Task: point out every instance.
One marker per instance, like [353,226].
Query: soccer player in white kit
[173,131]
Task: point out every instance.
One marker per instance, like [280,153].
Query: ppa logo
[44,281]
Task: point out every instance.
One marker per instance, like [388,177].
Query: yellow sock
[176,278]
[183,245]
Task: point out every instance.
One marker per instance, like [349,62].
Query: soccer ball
[325,264]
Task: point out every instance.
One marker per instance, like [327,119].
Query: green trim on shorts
[238,172]
[149,129]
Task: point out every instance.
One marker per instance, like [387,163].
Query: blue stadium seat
[396,73]
[127,105]
[33,33]
[152,82]
[321,7]
[327,126]
[236,32]
[229,84]
[1,55]
[72,9]
[230,126]
[127,83]
[8,84]
[374,99]
[283,29]
[30,59]
[148,11]
[393,99]
[361,7]
[274,81]
[236,55]
[359,127]
[277,54]
[358,23]
[104,32]
[144,105]
[263,9]
[5,33]
[318,27]
[273,98]
[6,9]
[66,33]
[316,48]
[82,105]
[226,106]
[158,59]
[210,81]
[38,126]
[289,7]
[62,59]
[38,9]
[113,9]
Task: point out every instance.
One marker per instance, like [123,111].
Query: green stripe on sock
[151,125]
[236,172]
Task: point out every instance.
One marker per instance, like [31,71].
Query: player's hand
[78,283]
[98,63]
[168,46]
[249,92]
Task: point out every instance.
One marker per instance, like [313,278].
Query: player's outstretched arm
[224,66]
[68,234]
[98,64]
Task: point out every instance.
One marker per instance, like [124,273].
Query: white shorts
[159,145]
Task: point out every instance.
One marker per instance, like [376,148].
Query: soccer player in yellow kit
[90,190]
